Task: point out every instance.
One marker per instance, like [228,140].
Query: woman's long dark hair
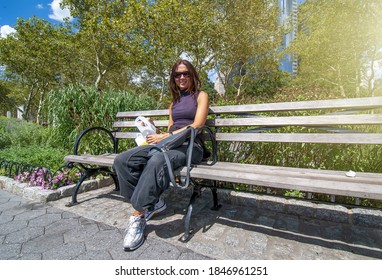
[194,79]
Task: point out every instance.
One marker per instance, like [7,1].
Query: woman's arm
[202,111]
[155,138]
[170,120]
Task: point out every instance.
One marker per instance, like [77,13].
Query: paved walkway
[94,229]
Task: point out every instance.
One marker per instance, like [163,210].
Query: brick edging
[40,195]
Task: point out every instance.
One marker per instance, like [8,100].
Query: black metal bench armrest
[84,132]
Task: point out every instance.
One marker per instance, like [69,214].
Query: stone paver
[36,231]
[274,230]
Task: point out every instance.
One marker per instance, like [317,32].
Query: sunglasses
[178,75]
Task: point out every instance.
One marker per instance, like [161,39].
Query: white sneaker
[134,237]
[159,207]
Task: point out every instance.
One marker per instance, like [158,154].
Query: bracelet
[170,133]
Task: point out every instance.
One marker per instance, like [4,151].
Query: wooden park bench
[355,121]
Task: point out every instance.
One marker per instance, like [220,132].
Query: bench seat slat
[271,168]
[101,160]
[361,177]
[313,184]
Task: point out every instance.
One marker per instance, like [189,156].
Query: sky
[10,10]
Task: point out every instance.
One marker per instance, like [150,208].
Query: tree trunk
[28,104]
[238,94]
[162,89]
[340,84]
[40,105]
[357,83]
[371,79]
[242,78]
[101,73]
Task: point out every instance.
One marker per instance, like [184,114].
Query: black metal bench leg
[216,205]
[86,174]
[187,231]
[76,188]
[115,179]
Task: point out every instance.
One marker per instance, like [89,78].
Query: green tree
[106,40]
[171,30]
[10,96]
[32,62]
[338,45]
[249,37]
[5,101]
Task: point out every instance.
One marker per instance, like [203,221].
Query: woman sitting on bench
[143,178]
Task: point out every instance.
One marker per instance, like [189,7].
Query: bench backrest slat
[302,120]
[131,124]
[340,138]
[126,135]
[352,103]
[146,113]
[265,121]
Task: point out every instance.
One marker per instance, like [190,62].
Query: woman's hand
[155,138]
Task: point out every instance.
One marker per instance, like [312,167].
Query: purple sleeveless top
[184,110]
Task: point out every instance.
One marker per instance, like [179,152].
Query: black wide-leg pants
[143,178]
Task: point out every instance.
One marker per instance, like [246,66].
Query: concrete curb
[357,215]
[40,195]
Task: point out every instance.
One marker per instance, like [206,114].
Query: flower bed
[41,177]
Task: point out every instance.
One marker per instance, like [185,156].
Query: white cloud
[40,6]
[58,13]
[5,30]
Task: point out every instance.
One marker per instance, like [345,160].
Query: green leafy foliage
[18,133]
[339,45]
[46,156]
[76,108]
[72,110]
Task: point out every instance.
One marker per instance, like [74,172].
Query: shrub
[36,156]
[20,133]
[75,108]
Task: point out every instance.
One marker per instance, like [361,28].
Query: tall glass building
[289,14]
